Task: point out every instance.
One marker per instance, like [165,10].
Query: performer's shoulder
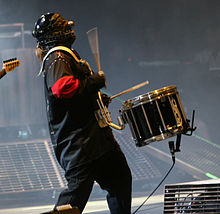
[60,54]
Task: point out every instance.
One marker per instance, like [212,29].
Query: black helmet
[52,29]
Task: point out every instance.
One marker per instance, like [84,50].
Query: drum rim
[163,136]
[150,96]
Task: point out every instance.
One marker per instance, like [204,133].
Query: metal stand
[188,132]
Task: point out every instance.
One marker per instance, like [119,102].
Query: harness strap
[62,48]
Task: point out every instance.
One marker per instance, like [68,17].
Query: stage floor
[154,205]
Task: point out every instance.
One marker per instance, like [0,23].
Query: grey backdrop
[168,42]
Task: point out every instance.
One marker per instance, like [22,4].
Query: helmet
[52,29]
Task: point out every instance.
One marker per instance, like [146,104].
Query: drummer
[86,151]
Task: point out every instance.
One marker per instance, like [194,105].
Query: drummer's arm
[65,85]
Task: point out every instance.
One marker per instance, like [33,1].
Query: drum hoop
[149,97]
[160,137]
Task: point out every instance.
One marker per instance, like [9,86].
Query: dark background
[167,42]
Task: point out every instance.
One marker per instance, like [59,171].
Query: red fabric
[65,87]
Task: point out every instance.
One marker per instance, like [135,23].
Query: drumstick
[130,89]
[94,44]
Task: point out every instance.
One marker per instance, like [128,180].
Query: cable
[150,208]
[156,187]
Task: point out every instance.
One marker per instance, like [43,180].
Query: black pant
[111,172]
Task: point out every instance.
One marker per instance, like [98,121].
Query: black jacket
[73,127]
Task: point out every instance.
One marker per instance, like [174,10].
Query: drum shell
[155,116]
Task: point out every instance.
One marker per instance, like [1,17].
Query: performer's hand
[101,73]
[106,99]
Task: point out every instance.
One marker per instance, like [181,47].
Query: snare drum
[155,116]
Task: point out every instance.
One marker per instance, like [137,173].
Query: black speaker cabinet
[193,197]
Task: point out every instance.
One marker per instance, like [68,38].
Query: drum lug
[175,130]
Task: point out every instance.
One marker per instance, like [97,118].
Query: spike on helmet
[52,30]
